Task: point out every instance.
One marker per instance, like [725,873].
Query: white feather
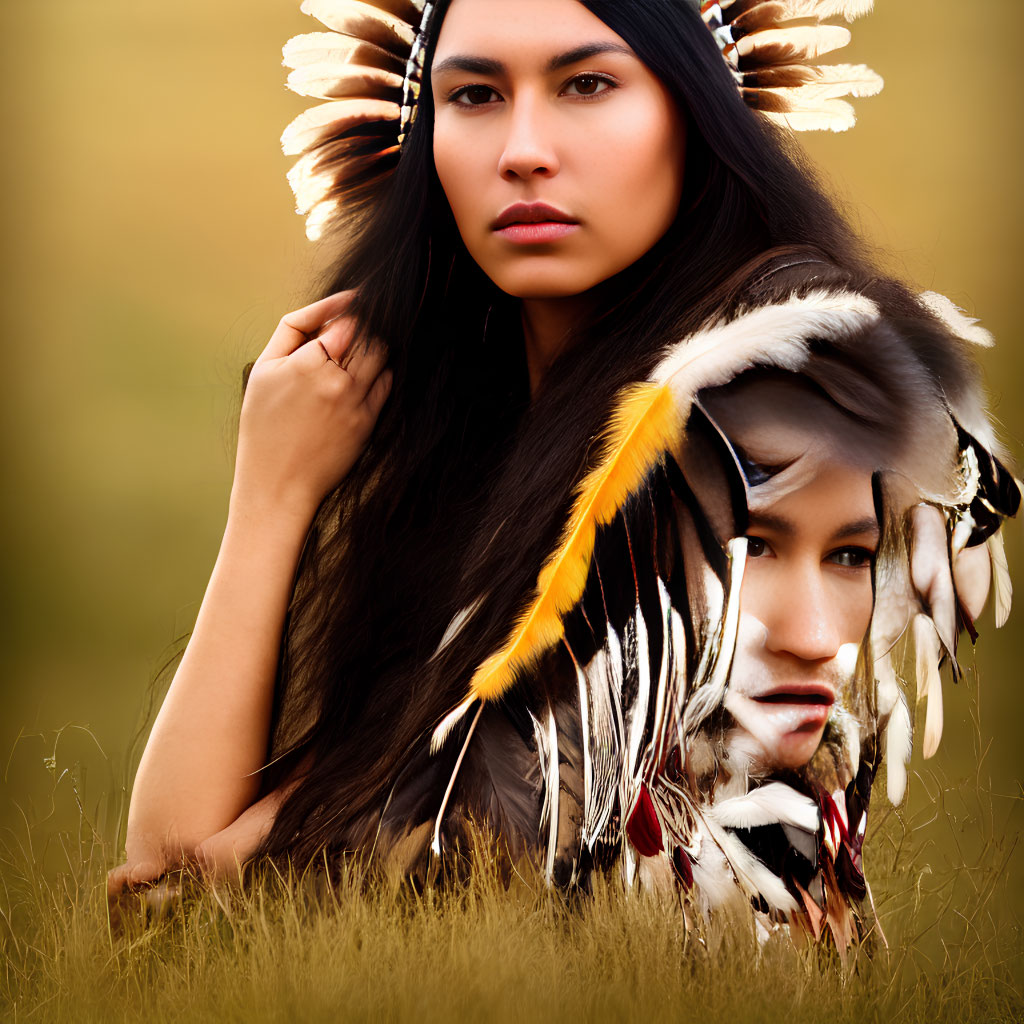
[751,874]
[319,48]
[931,572]
[772,803]
[636,718]
[435,843]
[343,15]
[1002,586]
[338,116]
[833,82]
[887,689]
[929,682]
[459,619]
[959,323]
[712,675]
[825,116]
[810,41]
[898,741]
[327,81]
[775,335]
[547,750]
[822,9]
[441,733]
[601,740]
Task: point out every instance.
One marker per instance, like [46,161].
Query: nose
[805,619]
[529,145]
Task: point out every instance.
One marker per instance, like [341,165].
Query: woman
[580,186]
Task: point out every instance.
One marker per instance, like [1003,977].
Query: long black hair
[466,483]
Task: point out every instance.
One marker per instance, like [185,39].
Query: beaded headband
[369,69]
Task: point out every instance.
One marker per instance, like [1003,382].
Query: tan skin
[540,136]
[806,604]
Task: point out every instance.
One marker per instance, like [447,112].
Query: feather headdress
[368,67]
[773,46]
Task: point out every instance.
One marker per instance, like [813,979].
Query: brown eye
[588,85]
[474,95]
[852,558]
[756,547]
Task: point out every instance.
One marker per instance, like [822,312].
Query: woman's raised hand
[311,403]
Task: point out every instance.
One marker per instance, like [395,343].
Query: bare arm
[305,420]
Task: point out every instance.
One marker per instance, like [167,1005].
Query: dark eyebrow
[869,524]
[487,66]
[787,528]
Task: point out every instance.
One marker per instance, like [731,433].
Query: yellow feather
[646,423]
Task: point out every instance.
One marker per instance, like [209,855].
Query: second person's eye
[756,547]
[852,558]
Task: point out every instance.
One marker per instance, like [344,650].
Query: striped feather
[791,45]
[338,51]
[833,82]
[328,82]
[361,20]
[311,126]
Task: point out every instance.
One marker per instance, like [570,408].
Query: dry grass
[352,952]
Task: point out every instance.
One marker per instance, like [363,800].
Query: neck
[547,325]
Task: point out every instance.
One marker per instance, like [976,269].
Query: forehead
[518,29]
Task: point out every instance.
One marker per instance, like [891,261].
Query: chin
[766,750]
[791,751]
[546,283]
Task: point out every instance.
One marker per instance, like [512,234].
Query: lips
[794,698]
[531,213]
[811,694]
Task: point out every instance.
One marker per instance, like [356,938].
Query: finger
[379,391]
[125,876]
[336,337]
[222,854]
[364,365]
[296,327]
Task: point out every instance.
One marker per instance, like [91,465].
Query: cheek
[638,166]
[854,603]
[454,171]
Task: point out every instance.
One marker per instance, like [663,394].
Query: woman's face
[806,599]
[560,153]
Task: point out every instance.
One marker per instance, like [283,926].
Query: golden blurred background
[151,246]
